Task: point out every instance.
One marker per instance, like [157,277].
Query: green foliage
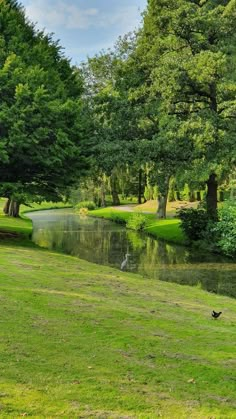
[137,222]
[42,116]
[194,222]
[90,205]
[225,230]
[148,192]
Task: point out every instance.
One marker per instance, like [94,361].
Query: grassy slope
[81,340]
[172,207]
[164,229]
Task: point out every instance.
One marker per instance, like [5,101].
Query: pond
[106,243]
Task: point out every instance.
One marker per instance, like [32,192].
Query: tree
[188,49]
[43,130]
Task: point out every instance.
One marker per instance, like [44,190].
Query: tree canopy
[165,96]
[41,112]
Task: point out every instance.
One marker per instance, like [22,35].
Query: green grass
[83,340]
[44,206]
[171,209]
[36,207]
[168,229]
[18,230]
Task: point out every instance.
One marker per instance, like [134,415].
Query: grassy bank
[36,207]
[168,229]
[83,340]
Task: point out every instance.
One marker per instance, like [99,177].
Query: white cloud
[69,16]
[60,14]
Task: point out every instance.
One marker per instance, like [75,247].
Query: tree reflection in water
[106,243]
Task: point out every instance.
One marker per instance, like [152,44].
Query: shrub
[137,222]
[83,211]
[194,222]
[90,205]
[225,230]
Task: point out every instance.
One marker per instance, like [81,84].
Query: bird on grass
[125,262]
[215,315]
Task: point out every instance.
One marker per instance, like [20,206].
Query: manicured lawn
[83,340]
[168,229]
[35,206]
[172,207]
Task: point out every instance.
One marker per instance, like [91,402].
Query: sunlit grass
[83,340]
[172,207]
[79,339]
[168,229]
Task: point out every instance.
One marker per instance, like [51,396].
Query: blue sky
[85,27]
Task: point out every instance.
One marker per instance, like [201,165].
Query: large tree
[188,50]
[42,122]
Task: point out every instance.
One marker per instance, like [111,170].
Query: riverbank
[79,339]
[168,229]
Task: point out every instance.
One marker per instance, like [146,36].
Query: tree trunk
[140,186]
[178,196]
[171,196]
[221,196]
[114,190]
[7,206]
[211,197]
[162,198]
[198,196]
[14,209]
[162,203]
[103,196]
[191,196]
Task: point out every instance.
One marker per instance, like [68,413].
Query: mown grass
[83,340]
[168,229]
[19,230]
[172,207]
[36,207]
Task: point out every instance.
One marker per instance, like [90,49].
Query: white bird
[124,263]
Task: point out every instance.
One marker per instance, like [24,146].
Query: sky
[85,27]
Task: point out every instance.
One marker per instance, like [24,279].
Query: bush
[137,222]
[83,212]
[225,230]
[90,205]
[194,222]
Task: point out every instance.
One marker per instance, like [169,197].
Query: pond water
[106,243]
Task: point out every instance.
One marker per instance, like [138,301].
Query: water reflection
[107,243]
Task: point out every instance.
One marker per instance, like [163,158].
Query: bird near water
[215,315]
[123,265]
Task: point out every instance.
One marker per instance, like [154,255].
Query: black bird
[215,315]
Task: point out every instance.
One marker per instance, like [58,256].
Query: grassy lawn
[172,207]
[36,207]
[168,229]
[19,230]
[83,340]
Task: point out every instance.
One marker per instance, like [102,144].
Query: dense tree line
[152,115]
[164,99]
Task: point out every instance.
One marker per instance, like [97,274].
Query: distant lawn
[36,207]
[172,207]
[163,229]
[19,229]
